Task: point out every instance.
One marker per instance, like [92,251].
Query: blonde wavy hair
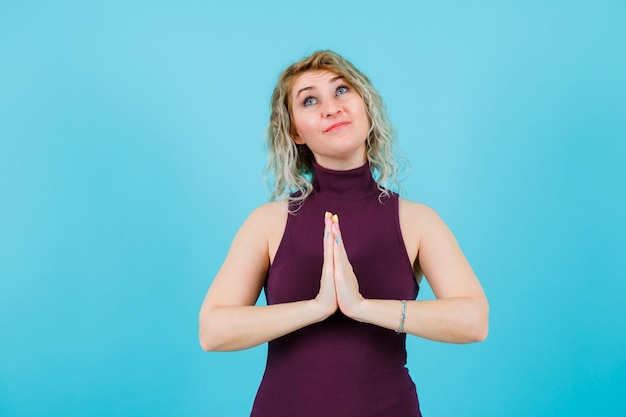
[291,165]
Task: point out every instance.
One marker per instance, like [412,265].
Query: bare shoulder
[417,222]
[267,222]
[416,209]
[267,216]
[417,215]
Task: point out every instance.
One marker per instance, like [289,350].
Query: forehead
[313,78]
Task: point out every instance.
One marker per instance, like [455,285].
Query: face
[330,118]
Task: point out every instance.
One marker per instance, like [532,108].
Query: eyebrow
[339,77]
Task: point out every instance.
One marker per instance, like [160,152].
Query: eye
[309,101]
[342,89]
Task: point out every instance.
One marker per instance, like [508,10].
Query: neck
[341,164]
[344,184]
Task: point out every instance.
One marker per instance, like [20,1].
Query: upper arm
[242,275]
[439,256]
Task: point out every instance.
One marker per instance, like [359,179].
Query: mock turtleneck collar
[350,184]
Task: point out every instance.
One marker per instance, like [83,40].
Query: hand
[346,284]
[327,296]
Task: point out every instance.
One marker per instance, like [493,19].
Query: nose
[330,108]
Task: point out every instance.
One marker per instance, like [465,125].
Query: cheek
[302,124]
[299,129]
[364,116]
[358,108]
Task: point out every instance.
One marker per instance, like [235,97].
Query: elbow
[209,342]
[214,335]
[481,333]
[205,342]
[207,335]
[207,346]
[480,328]
[475,324]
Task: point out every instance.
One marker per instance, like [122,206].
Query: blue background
[131,149]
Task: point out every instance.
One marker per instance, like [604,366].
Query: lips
[336,126]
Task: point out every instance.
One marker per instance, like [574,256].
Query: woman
[338,259]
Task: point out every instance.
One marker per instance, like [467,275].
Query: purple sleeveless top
[340,367]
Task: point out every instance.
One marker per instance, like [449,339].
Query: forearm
[452,320]
[228,328]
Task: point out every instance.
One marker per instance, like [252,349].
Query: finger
[336,230]
[328,240]
[327,224]
[340,258]
[338,239]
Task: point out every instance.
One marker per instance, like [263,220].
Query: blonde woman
[340,257]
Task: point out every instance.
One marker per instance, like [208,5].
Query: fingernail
[327,215]
[327,234]
[336,239]
[336,218]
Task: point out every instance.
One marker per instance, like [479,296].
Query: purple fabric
[340,367]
